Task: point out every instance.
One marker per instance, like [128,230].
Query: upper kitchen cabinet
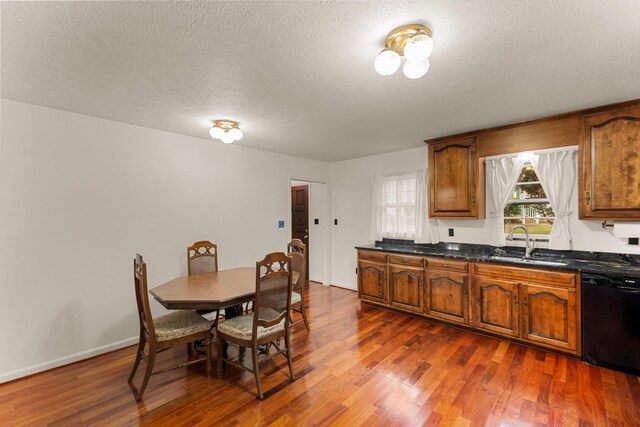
[456,181]
[609,153]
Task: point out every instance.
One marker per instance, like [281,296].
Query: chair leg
[219,344]
[287,342]
[148,371]
[207,344]
[304,315]
[256,371]
[141,344]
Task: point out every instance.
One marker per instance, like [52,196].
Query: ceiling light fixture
[226,131]
[412,41]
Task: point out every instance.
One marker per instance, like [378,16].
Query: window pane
[529,210]
[535,226]
[527,174]
[528,191]
[400,206]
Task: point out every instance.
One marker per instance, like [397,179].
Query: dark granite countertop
[582,261]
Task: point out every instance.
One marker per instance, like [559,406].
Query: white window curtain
[502,175]
[557,172]
[399,208]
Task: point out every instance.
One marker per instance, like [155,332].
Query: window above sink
[528,206]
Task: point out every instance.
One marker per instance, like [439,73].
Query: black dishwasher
[611,321]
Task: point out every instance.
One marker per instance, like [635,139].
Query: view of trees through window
[529,205]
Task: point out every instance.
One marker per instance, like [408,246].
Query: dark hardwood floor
[358,366]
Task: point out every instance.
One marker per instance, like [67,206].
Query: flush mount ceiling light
[412,41]
[226,131]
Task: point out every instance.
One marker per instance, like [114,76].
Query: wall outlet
[335,221]
[281,223]
[451,232]
[316,221]
[633,240]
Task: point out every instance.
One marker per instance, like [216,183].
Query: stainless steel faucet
[527,249]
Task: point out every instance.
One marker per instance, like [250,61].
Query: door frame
[325,254]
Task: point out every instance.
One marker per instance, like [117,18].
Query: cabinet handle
[405,260]
[446,266]
[464,291]
[524,300]
[515,300]
[371,257]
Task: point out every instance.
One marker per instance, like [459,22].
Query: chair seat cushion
[179,324]
[241,327]
[295,298]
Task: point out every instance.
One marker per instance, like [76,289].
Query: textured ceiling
[299,76]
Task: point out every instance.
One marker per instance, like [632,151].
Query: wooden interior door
[300,217]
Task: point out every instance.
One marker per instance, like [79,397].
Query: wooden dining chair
[268,322]
[202,257]
[162,333]
[298,253]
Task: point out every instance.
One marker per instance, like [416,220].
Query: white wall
[351,204]
[81,195]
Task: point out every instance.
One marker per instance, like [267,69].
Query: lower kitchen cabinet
[531,305]
[549,316]
[372,281]
[448,296]
[406,288]
[495,306]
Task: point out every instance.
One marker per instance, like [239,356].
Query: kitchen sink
[532,261]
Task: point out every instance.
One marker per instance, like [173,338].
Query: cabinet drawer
[372,256]
[447,264]
[524,274]
[413,261]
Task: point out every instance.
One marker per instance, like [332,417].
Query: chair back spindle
[142,298]
[273,291]
[202,257]
[298,253]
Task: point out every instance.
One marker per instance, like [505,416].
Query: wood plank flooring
[358,366]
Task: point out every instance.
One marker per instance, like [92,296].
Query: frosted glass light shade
[227,138]
[216,132]
[236,134]
[415,69]
[387,62]
[418,48]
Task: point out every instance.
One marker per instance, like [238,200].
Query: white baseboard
[350,287]
[8,376]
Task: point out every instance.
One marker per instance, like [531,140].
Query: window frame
[519,241]
[398,205]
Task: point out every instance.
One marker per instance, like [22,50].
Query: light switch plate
[281,223]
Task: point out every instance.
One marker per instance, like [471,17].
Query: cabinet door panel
[405,288]
[454,179]
[495,306]
[447,296]
[372,282]
[549,316]
[610,165]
